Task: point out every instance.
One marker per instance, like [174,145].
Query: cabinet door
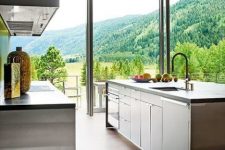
[136,121]
[145,126]
[124,119]
[176,116]
[124,111]
[124,127]
[156,128]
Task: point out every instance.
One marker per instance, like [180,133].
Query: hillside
[198,21]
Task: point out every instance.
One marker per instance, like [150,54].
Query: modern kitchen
[162,111]
[41,117]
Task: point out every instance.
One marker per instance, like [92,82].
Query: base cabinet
[124,127]
[124,116]
[153,122]
[37,129]
[176,126]
[136,121]
[156,128]
[145,126]
[151,127]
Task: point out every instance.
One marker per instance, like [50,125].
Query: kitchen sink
[166,88]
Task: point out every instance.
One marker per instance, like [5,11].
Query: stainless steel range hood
[27,17]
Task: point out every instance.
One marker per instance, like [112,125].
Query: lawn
[75,68]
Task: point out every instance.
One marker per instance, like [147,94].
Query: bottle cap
[18,48]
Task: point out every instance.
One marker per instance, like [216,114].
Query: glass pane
[198,30]
[126,39]
[65,35]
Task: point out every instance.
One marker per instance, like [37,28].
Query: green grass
[75,68]
[152,69]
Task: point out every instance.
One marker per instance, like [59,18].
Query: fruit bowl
[141,80]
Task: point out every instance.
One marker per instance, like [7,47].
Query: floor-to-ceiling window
[197,29]
[65,35]
[127,31]
[125,40]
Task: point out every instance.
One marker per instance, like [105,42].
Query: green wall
[4,48]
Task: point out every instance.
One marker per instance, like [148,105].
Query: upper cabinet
[27,17]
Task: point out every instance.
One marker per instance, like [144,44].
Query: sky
[73,12]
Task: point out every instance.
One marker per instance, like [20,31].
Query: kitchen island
[41,119]
[155,119]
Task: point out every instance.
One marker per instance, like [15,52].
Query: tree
[97,71]
[192,51]
[138,66]
[112,74]
[34,62]
[126,69]
[83,74]
[51,66]
[105,73]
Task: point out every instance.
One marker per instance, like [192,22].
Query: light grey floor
[92,134]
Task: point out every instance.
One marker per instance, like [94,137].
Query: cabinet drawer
[135,94]
[150,98]
[112,88]
[125,91]
[124,111]
[125,99]
[125,127]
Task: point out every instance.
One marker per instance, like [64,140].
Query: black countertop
[42,95]
[203,92]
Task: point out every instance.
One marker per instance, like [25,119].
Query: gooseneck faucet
[187,79]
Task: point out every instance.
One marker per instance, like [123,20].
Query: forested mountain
[197,21]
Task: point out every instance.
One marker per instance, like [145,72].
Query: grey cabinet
[151,127]
[136,121]
[39,129]
[176,125]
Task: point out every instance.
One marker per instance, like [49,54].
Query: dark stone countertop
[204,92]
[42,95]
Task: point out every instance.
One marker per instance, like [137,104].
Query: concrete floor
[92,134]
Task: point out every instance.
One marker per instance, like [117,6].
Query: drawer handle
[125,120]
[149,104]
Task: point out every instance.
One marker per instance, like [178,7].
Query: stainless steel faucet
[187,79]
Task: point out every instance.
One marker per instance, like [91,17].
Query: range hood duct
[27,17]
